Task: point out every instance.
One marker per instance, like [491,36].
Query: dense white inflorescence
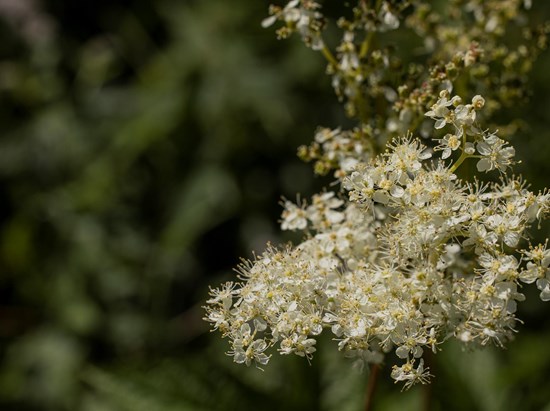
[407,254]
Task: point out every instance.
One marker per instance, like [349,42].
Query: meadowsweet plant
[409,252]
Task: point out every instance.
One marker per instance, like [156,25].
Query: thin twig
[371,385]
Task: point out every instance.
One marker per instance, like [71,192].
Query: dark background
[144,147]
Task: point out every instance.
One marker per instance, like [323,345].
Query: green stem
[329,56]
[362,108]
[366,45]
[368,40]
[463,155]
[460,160]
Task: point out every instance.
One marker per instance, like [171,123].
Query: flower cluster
[407,254]
[338,150]
[299,16]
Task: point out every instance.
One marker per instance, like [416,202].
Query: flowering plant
[409,252]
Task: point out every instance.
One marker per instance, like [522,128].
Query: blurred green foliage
[144,147]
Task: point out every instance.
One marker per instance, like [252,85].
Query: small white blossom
[448,144]
[440,110]
[294,217]
[495,154]
[411,375]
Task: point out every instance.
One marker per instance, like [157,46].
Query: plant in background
[428,237]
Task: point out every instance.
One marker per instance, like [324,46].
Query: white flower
[289,14]
[495,154]
[448,144]
[223,296]
[440,110]
[301,16]
[411,375]
[299,345]
[464,116]
[323,210]
[251,351]
[478,102]
[294,217]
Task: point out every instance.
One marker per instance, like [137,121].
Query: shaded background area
[144,147]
